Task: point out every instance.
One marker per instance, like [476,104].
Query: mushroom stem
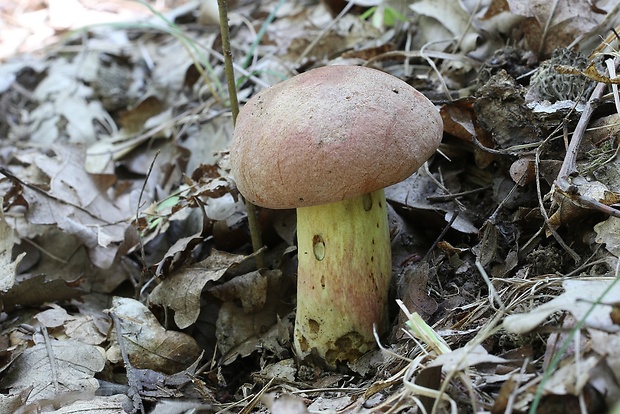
[343,277]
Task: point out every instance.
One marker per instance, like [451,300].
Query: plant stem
[255,236]
[228,63]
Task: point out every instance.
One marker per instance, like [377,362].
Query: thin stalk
[255,236]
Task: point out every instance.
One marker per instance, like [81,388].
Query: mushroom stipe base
[343,277]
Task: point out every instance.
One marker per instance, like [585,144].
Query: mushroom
[327,142]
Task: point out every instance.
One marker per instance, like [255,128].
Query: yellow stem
[343,277]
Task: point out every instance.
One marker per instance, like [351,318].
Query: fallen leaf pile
[127,278]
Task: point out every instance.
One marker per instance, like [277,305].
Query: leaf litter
[127,281]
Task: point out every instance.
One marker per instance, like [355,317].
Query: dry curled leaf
[147,343]
[181,291]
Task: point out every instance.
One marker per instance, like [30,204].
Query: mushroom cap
[330,134]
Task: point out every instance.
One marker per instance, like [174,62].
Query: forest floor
[128,282]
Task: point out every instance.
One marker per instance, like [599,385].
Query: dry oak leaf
[77,203]
[181,291]
[148,344]
[558,23]
[70,366]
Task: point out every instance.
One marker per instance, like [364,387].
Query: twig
[317,39]
[445,230]
[439,184]
[255,236]
[543,211]
[52,358]
[543,38]
[227,52]
[256,398]
[50,254]
[569,165]
[420,54]
[134,386]
[452,196]
[138,287]
[570,192]
[562,186]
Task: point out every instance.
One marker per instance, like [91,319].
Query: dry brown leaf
[283,370]
[608,344]
[463,358]
[181,291]
[54,317]
[413,291]
[123,146]
[523,170]
[153,384]
[565,20]
[495,8]
[133,119]
[112,404]
[578,298]
[147,343]
[77,203]
[250,289]
[608,233]
[571,378]
[59,255]
[450,16]
[179,253]
[240,333]
[218,132]
[35,290]
[298,37]
[75,363]
[179,407]
[65,100]
[89,324]
[603,129]
[459,120]
[415,192]
[13,402]
[331,404]
[571,207]
[86,329]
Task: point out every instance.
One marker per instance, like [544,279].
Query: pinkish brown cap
[331,134]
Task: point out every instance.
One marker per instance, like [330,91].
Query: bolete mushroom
[327,142]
